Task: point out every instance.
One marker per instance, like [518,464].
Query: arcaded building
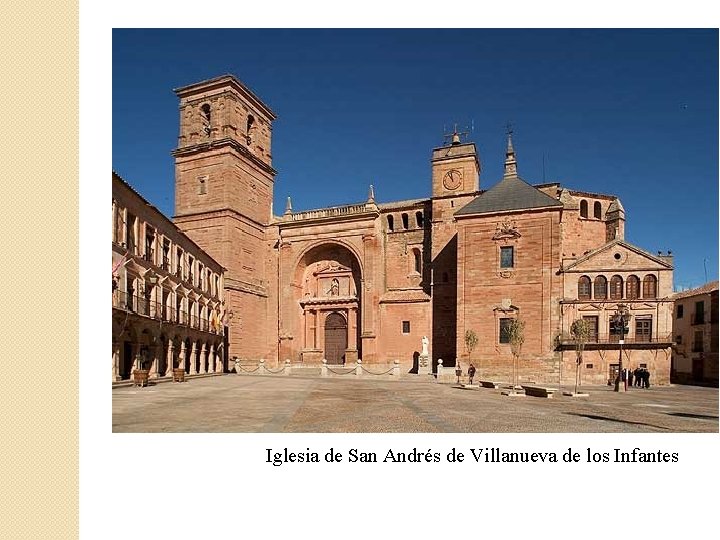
[168,302]
[369,280]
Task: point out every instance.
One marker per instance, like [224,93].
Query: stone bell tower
[455,170]
[223,196]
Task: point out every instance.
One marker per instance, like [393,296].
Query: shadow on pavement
[608,419]
[692,415]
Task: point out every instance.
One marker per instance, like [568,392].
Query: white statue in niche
[425,343]
[335,287]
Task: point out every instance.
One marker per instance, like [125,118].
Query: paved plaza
[273,404]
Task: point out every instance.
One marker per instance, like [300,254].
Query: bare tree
[580,331]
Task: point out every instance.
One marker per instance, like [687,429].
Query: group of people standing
[640,376]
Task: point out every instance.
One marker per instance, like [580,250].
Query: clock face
[452,179]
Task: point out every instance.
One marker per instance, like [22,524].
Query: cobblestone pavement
[247,403]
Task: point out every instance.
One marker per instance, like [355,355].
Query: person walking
[631,374]
[638,376]
[471,372]
[647,378]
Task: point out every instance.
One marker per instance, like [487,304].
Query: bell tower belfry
[223,193]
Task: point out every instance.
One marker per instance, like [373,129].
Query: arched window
[391,223]
[405,221]
[419,219]
[600,288]
[616,288]
[205,117]
[649,286]
[418,260]
[632,288]
[597,210]
[584,288]
[583,208]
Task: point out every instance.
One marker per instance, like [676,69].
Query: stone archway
[327,286]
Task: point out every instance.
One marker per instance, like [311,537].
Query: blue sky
[627,112]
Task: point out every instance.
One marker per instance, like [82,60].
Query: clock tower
[455,169]
[455,182]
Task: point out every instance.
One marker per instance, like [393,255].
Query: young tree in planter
[471,341]
[516,338]
[580,331]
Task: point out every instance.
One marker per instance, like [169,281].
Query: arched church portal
[328,290]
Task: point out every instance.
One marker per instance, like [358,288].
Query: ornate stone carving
[506,230]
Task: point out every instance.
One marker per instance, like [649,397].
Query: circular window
[617,256]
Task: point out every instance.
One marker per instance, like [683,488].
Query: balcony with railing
[337,211]
[140,305]
[149,255]
[612,341]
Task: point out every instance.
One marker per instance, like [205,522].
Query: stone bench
[489,384]
[539,391]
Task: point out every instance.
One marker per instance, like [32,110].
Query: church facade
[368,281]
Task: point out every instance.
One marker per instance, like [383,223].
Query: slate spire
[510,161]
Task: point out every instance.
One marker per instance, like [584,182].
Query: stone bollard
[262,369]
[323,369]
[439,370]
[396,368]
[288,367]
[358,368]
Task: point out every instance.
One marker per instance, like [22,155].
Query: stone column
[116,361]
[203,358]
[183,353]
[193,358]
[219,361]
[212,366]
[170,358]
[155,366]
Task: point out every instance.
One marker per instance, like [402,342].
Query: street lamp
[622,315]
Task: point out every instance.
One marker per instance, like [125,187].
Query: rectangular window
[406,327]
[505,330]
[130,234]
[507,257]
[679,312]
[592,322]
[166,255]
[698,342]
[678,340]
[149,244]
[588,366]
[699,317]
[643,330]
[616,331]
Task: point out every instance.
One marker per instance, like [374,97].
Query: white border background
[130,485]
